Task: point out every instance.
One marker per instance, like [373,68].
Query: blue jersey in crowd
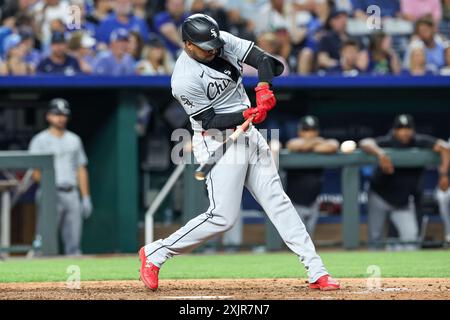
[111,23]
[106,64]
[163,18]
[70,67]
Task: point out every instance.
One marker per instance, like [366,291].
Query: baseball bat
[205,168]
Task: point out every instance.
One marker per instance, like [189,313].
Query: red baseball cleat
[149,272]
[325,283]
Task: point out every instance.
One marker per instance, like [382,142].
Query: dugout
[105,115]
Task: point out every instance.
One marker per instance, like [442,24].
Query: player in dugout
[304,184]
[393,191]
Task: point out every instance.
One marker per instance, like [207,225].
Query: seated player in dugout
[207,81]
[304,184]
[394,191]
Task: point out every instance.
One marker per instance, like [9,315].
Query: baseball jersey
[198,87]
[397,187]
[68,154]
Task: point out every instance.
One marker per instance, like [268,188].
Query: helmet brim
[216,43]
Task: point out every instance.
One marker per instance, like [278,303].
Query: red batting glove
[265,99]
[260,114]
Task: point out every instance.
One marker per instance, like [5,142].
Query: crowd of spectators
[324,37]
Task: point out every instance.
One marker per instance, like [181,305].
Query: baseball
[348,146]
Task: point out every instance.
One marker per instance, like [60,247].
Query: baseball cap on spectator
[11,41]
[155,42]
[58,37]
[404,121]
[336,13]
[26,33]
[119,35]
[309,123]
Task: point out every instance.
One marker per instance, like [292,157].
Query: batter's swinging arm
[206,167]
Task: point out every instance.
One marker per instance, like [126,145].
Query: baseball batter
[207,81]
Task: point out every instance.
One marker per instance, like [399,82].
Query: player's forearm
[302,145]
[325,61]
[370,146]
[327,146]
[83,181]
[210,120]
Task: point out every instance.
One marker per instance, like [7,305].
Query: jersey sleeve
[240,47]
[35,145]
[81,155]
[384,141]
[425,141]
[191,95]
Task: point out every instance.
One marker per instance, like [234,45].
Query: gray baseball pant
[247,163]
[404,219]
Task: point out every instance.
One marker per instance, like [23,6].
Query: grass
[420,264]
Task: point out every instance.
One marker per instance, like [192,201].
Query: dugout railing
[350,164]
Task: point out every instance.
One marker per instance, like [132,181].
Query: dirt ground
[391,289]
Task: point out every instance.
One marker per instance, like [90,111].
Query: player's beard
[208,58]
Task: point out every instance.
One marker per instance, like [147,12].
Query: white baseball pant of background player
[257,171]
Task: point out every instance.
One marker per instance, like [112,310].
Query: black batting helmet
[203,31]
[59,106]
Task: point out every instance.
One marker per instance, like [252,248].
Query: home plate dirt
[398,288]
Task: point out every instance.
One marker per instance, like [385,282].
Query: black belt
[65,189]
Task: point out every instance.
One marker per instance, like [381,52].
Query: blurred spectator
[242,18]
[413,10]
[445,70]
[417,65]
[270,43]
[32,55]
[445,22]
[274,17]
[81,46]
[59,62]
[381,58]
[330,44]
[348,61]
[304,185]
[116,61]
[434,46]
[156,60]
[124,18]
[212,8]
[394,191]
[102,8]
[135,45]
[11,8]
[168,22]
[14,60]
[310,28]
[140,9]
[45,12]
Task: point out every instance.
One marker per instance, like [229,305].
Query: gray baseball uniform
[69,155]
[247,163]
